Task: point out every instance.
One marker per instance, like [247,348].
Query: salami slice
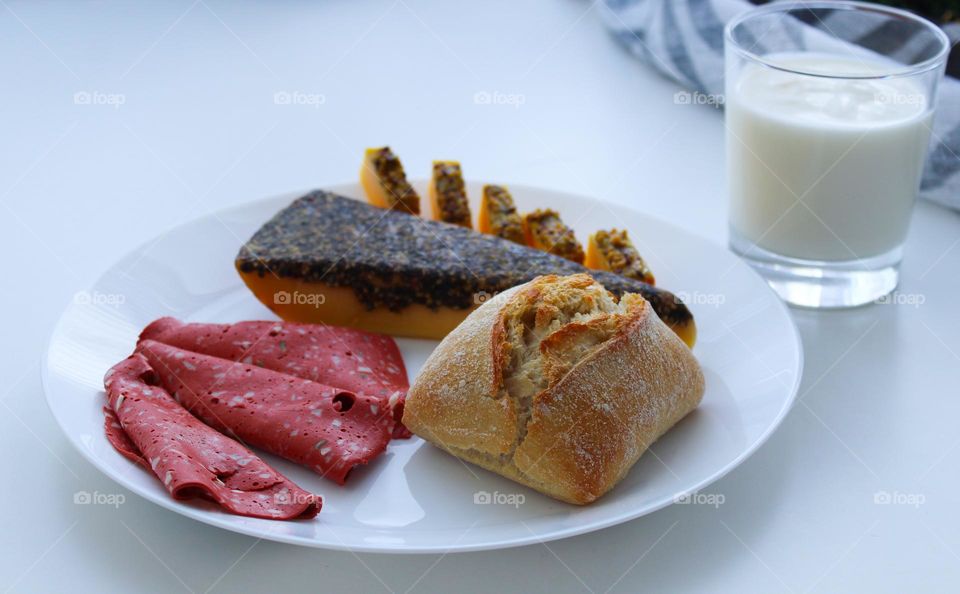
[359,362]
[119,439]
[328,429]
[145,424]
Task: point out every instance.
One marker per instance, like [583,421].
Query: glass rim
[908,70]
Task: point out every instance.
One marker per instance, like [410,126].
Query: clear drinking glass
[828,114]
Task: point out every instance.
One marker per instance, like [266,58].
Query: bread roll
[556,385]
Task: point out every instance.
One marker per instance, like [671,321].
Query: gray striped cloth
[683,39]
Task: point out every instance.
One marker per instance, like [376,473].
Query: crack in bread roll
[556,385]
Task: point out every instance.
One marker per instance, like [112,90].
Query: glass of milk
[828,115]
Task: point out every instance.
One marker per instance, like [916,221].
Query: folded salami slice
[359,362]
[145,424]
[327,429]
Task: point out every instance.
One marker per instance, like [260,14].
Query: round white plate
[417,498]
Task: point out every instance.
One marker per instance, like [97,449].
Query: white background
[199,129]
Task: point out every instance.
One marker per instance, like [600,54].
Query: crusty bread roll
[555,385]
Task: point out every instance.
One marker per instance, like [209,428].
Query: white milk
[852,150]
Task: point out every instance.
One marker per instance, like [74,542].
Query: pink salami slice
[145,424]
[327,429]
[359,362]
[119,439]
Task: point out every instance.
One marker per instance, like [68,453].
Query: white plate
[417,498]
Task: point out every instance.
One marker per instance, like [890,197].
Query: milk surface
[851,149]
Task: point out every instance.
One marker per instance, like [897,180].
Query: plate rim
[225,521]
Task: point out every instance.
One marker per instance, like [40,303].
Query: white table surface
[198,129]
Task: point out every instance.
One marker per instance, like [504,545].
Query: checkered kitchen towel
[684,40]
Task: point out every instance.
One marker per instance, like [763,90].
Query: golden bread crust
[555,385]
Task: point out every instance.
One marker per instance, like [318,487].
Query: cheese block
[448,194]
[385,182]
[545,231]
[612,250]
[326,258]
[498,215]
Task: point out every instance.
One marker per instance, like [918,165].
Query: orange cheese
[448,194]
[385,182]
[319,303]
[612,250]
[545,231]
[498,215]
